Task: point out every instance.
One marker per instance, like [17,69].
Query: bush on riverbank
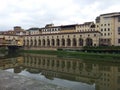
[74,54]
[3,50]
[102,48]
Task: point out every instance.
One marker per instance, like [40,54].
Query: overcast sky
[38,13]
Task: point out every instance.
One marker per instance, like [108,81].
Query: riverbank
[76,54]
[10,81]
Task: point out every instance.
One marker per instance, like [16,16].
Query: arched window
[89,42]
[48,42]
[74,42]
[58,42]
[28,43]
[63,42]
[53,42]
[43,42]
[68,42]
[39,42]
[80,42]
[35,42]
[31,42]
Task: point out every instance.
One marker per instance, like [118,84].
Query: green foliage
[74,54]
[102,48]
[2,50]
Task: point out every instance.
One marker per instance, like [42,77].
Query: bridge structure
[11,44]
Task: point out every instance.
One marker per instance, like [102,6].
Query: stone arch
[57,42]
[74,42]
[63,42]
[28,43]
[80,42]
[35,42]
[53,42]
[48,42]
[39,42]
[31,42]
[68,42]
[89,42]
[43,42]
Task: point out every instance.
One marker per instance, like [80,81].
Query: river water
[76,74]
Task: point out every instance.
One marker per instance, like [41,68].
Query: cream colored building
[62,40]
[64,36]
[109,26]
[105,31]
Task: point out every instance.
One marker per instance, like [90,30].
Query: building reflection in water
[105,75]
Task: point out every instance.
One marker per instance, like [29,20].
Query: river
[77,74]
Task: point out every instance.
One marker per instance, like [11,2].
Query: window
[104,24]
[94,35]
[105,29]
[118,30]
[101,29]
[108,29]
[118,18]
[108,34]
[101,24]
[95,45]
[101,34]
[118,40]
[104,34]
[101,40]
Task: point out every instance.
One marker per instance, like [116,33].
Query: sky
[38,13]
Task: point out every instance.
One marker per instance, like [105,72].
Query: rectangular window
[105,29]
[118,30]
[101,29]
[118,18]
[104,34]
[101,40]
[118,40]
[94,35]
[101,34]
